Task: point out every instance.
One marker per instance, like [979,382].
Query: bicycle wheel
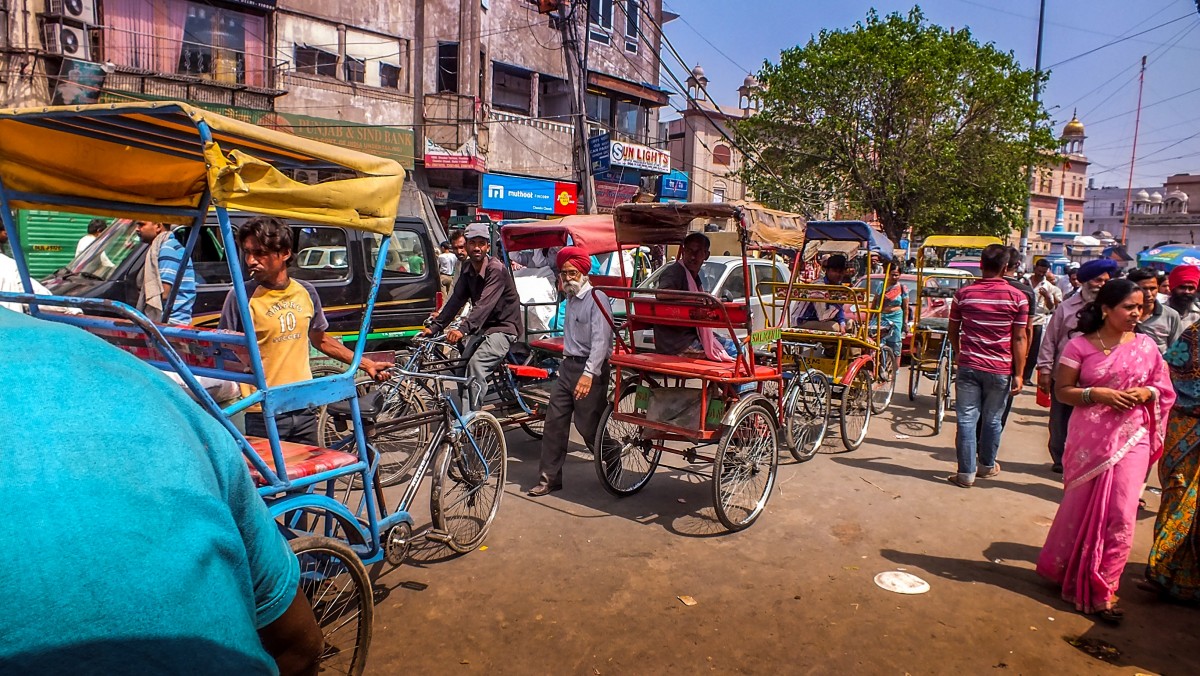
[745,468]
[941,393]
[914,379]
[625,459]
[399,448]
[335,582]
[856,408]
[883,381]
[469,483]
[806,414]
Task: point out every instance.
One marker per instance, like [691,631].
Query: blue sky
[1102,85]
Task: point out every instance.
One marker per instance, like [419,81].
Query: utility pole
[568,12]
[1137,122]
[1037,99]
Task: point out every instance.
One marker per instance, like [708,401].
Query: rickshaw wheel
[627,470]
[534,429]
[745,468]
[464,501]
[883,384]
[914,378]
[941,393]
[856,408]
[336,584]
[806,414]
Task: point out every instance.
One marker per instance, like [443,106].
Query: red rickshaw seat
[554,345]
[691,367]
[300,460]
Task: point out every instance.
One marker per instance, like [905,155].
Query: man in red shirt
[988,332]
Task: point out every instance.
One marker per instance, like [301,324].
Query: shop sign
[528,195]
[612,194]
[673,186]
[605,153]
[467,157]
[79,83]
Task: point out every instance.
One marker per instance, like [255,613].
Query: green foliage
[922,125]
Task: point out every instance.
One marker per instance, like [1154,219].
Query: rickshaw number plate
[764,336]
[716,411]
[641,399]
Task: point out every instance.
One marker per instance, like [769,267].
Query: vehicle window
[108,251]
[405,254]
[208,260]
[735,286]
[710,274]
[320,254]
[766,273]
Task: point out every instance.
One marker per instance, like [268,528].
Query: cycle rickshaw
[854,366]
[171,162]
[931,356]
[653,406]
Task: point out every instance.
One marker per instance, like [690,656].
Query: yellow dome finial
[1074,127]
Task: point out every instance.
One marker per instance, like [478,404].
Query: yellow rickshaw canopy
[109,159]
[959,241]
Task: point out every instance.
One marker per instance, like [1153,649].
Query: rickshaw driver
[493,323]
[288,321]
[824,316]
[684,275]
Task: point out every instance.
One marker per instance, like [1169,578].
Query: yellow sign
[765,336]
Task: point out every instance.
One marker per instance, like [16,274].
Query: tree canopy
[920,124]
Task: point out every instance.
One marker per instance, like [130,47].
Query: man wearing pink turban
[582,384]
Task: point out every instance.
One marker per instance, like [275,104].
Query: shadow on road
[1003,482]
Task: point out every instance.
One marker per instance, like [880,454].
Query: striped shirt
[988,310]
[170,256]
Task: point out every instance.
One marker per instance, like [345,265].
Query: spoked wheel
[806,414]
[470,482]
[914,378]
[335,582]
[883,381]
[941,393]
[399,448]
[625,459]
[746,464]
[856,408]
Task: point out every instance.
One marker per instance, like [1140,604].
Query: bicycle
[806,403]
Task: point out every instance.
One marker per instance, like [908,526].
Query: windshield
[109,250]
[710,274]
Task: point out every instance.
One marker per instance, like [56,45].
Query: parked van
[337,261]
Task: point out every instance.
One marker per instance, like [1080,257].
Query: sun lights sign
[606,153]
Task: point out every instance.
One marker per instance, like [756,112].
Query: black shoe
[543,489]
[1056,468]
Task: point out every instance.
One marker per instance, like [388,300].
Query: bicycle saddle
[370,404]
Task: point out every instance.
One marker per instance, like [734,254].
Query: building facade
[453,89]
[699,144]
[1167,215]
[1066,179]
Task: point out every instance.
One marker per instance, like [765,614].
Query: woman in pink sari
[1121,390]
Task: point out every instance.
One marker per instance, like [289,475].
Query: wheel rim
[636,456]
[914,379]
[807,414]
[856,410]
[471,484]
[745,468]
[340,595]
[399,448]
[884,384]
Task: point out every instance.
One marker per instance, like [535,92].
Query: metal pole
[578,85]
[1133,156]
[1037,98]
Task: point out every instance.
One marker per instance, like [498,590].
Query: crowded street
[584,583]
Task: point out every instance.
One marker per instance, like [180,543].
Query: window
[599,108]
[320,254]
[722,155]
[734,287]
[315,61]
[208,260]
[554,99]
[632,25]
[405,254]
[630,118]
[718,194]
[447,73]
[389,76]
[356,69]
[766,274]
[512,89]
[600,20]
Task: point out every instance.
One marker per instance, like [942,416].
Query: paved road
[583,583]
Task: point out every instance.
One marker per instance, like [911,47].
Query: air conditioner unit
[68,40]
[83,11]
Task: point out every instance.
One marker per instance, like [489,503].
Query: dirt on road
[584,583]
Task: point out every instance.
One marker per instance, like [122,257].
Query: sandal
[1112,615]
[953,478]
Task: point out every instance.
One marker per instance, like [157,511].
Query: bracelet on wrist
[1087,395]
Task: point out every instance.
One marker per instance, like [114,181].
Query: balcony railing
[220,64]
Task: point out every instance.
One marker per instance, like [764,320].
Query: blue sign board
[673,185]
[527,195]
[598,152]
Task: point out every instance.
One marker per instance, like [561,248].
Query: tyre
[335,582]
[883,381]
[914,379]
[856,408]
[745,467]
[399,448]
[941,393]
[625,459]
[806,414]
[469,483]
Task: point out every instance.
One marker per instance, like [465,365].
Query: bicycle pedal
[437,536]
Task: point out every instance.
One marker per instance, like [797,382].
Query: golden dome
[1073,128]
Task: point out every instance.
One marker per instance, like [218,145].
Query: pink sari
[1108,453]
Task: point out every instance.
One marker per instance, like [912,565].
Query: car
[940,285]
[722,276]
[339,263]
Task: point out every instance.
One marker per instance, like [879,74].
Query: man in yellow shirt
[288,321]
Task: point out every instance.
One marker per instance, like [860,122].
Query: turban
[574,255]
[1093,269]
[1184,274]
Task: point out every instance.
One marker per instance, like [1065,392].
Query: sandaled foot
[989,473]
[1112,615]
[954,479]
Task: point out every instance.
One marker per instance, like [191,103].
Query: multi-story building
[1170,215]
[699,140]
[1066,179]
[454,89]
[1104,210]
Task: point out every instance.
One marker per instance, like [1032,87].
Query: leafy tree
[922,125]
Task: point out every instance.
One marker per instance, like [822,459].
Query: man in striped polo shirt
[988,332]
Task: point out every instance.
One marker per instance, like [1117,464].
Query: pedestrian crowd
[1118,356]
